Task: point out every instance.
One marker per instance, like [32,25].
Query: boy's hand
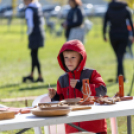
[73,83]
[52,92]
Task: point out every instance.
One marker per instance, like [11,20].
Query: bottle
[121,85]
[86,90]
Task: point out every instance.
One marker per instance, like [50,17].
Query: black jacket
[72,21]
[116,15]
[36,38]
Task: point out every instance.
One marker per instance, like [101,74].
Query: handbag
[77,33]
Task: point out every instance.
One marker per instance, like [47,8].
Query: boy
[72,58]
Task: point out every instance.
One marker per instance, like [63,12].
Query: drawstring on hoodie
[74,88]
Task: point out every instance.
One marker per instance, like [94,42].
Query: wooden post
[121,85]
[14,5]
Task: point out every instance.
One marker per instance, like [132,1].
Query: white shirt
[29,16]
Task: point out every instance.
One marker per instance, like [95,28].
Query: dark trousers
[35,60]
[119,47]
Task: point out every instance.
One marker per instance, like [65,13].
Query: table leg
[81,129]
[129,125]
[23,130]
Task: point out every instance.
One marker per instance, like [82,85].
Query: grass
[15,63]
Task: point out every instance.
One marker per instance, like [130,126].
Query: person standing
[35,25]
[116,15]
[74,17]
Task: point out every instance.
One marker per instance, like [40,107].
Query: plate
[51,111]
[70,101]
[48,104]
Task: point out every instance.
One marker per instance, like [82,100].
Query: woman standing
[116,15]
[74,17]
[35,26]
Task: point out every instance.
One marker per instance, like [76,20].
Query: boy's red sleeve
[97,84]
[59,91]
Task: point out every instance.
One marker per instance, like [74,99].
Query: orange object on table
[126,98]
[121,85]
[86,102]
[25,110]
[86,90]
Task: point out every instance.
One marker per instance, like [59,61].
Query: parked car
[100,10]
[55,11]
[6,11]
[64,11]
[47,9]
[21,10]
[88,9]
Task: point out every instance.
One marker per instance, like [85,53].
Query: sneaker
[39,80]
[28,78]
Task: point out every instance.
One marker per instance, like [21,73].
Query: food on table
[107,100]
[4,114]
[51,111]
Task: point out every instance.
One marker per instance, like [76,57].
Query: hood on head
[74,45]
[117,5]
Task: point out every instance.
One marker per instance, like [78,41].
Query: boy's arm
[97,84]
[59,95]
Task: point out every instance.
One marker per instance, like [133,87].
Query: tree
[61,2]
[14,5]
[129,2]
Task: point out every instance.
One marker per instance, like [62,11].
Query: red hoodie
[64,90]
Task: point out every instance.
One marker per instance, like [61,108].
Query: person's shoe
[39,80]
[28,78]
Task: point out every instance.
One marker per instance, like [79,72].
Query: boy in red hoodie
[72,59]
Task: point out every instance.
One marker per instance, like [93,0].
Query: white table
[124,108]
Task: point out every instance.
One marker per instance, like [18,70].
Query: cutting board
[51,111]
[6,115]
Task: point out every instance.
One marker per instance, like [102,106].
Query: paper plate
[72,101]
[52,111]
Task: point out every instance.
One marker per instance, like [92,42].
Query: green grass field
[15,63]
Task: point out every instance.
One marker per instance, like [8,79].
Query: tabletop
[124,108]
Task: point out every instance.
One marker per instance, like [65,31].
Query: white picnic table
[124,108]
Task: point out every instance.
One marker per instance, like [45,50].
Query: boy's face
[71,59]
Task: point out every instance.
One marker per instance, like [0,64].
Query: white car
[64,11]
[100,10]
[88,9]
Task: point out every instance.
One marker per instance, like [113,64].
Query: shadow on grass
[37,87]
[111,84]
[9,85]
